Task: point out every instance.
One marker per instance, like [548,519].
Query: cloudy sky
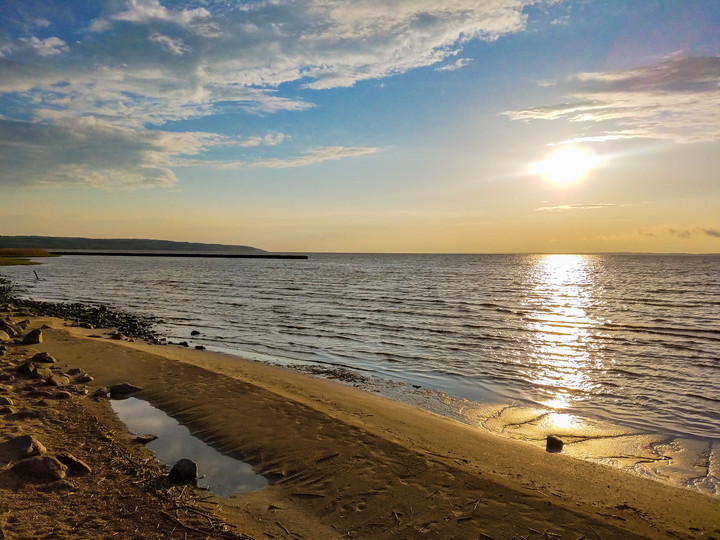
[365,125]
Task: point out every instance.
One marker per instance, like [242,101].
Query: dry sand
[348,464]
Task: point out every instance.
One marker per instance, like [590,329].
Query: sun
[567,165]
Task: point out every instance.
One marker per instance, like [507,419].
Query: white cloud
[317,155]
[458,64]
[147,62]
[677,99]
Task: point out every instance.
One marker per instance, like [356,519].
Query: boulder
[75,466]
[4,400]
[26,369]
[25,446]
[57,380]
[75,371]
[33,337]
[123,389]
[43,358]
[41,373]
[553,444]
[184,472]
[7,410]
[4,336]
[40,468]
[100,393]
[84,378]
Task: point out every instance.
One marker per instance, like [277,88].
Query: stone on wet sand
[4,400]
[145,439]
[553,444]
[41,373]
[184,472]
[57,380]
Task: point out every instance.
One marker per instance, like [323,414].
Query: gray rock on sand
[41,468]
[123,389]
[184,472]
[33,337]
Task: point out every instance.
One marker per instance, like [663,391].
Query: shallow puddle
[219,473]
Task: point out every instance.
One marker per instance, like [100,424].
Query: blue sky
[402,125]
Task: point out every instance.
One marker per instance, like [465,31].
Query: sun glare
[567,165]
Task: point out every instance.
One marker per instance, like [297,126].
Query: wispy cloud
[677,99]
[680,231]
[143,62]
[566,207]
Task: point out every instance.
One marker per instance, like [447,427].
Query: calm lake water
[633,340]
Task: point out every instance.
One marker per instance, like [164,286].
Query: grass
[20,256]
[16,261]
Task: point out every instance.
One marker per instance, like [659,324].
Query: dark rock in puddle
[41,468]
[184,344]
[553,444]
[199,348]
[123,389]
[33,337]
[145,439]
[184,472]
[25,446]
[43,358]
[100,393]
[4,400]
[75,466]
[195,333]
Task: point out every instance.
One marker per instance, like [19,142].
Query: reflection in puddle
[221,474]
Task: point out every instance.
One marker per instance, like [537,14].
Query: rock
[26,369]
[76,371]
[84,379]
[7,410]
[123,389]
[62,394]
[41,373]
[184,472]
[6,401]
[145,439]
[43,358]
[57,380]
[184,344]
[553,444]
[199,348]
[59,485]
[100,393]
[117,336]
[41,468]
[25,446]
[33,337]
[195,333]
[75,466]
[4,336]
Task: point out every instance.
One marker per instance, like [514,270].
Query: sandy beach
[344,463]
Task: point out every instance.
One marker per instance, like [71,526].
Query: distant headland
[58,245]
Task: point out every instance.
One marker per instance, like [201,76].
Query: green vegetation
[16,261]
[21,256]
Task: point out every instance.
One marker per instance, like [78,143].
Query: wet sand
[346,463]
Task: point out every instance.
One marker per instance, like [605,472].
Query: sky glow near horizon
[371,125]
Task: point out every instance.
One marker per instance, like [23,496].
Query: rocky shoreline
[126,325]
[68,466]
